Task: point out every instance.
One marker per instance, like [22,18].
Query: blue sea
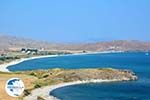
[139,62]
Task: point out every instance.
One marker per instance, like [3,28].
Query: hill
[14,43]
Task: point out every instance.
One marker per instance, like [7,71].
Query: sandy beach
[44,92]
[3,67]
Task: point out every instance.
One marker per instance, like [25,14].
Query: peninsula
[49,80]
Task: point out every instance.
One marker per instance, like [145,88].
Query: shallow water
[135,90]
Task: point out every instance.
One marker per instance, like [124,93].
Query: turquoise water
[135,90]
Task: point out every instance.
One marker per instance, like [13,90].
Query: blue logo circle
[14,87]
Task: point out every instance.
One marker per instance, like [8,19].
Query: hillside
[12,43]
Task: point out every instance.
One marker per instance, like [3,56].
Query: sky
[76,20]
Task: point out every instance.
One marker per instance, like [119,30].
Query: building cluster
[29,51]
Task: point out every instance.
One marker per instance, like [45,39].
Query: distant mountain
[8,42]
[12,42]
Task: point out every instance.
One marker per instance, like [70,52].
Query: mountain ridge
[8,42]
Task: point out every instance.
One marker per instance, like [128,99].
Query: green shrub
[37,85]
[33,73]
[26,92]
[45,76]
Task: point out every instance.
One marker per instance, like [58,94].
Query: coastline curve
[4,67]
[45,92]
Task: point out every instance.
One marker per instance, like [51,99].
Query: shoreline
[4,67]
[45,92]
